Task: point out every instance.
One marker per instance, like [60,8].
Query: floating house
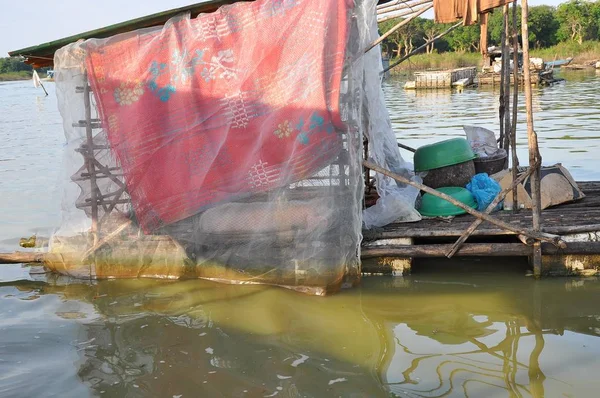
[235,142]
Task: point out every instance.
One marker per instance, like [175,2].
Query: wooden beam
[478,250]
[21,258]
[467,250]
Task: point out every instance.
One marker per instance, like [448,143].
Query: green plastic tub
[442,154]
[432,206]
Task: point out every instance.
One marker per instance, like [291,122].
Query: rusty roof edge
[155,19]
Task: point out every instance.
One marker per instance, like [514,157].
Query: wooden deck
[567,218]
[577,222]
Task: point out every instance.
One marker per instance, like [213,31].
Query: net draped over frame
[225,147]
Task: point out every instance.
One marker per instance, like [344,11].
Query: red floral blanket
[232,103]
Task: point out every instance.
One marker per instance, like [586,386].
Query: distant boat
[49,76]
[558,63]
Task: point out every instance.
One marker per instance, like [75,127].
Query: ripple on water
[568,112]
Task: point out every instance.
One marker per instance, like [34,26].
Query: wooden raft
[434,237]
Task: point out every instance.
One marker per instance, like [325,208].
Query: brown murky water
[433,334]
[469,335]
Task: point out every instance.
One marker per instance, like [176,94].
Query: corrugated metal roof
[43,54]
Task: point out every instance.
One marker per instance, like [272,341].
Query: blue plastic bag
[484,189]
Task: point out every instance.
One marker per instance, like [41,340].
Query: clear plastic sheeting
[225,147]
[396,200]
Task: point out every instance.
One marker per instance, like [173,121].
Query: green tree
[402,41]
[13,65]
[576,19]
[430,30]
[543,26]
[464,38]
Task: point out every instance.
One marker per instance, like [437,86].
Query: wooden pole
[407,56]
[402,13]
[470,249]
[501,110]
[501,195]
[542,236]
[506,72]
[89,155]
[44,88]
[477,249]
[407,147]
[513,131]
[396,27]
[21,257]
[535,158]
[401,3]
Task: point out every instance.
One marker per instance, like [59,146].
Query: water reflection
[422,336]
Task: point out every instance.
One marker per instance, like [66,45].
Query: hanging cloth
[220,107]
[448,11]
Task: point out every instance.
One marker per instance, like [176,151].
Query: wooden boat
[558,63]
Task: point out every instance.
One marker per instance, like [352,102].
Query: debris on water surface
[27,242]
[300,360]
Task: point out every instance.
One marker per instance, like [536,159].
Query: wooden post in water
[501,109]
[506,72]
[535,158]
[513,132]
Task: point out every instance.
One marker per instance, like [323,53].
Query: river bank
[584,53]
[15,76]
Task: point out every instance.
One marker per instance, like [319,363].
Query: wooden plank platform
[576,217]
[391,250]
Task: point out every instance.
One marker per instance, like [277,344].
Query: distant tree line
[575,20]
[8,65]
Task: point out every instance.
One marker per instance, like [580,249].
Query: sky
[32,22]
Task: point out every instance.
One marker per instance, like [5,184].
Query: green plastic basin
[432,206]
[442,154]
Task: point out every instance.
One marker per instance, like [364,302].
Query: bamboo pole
[501,195]
[506,72]
[513,131]
[402,13]
[401,3]
[542,236]
[535,158]
[405,5]
[396,27]
[444,33]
